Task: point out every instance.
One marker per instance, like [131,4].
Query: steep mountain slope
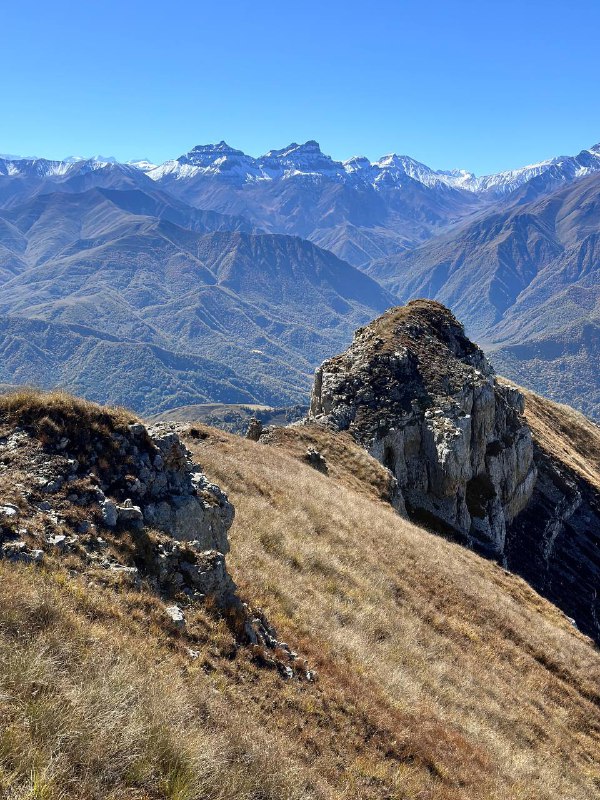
[98,365]
[361,210]
[356,213]
[526,279]
[433,673]
[514,254]
[561,366]
[116,281]
[49,223]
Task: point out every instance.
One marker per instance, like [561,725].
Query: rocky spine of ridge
[424,401]
[120,500]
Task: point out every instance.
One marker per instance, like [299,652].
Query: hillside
[231,417]
[432,673]
[178,306]
[426,403]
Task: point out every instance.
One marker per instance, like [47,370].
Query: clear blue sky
[485,85]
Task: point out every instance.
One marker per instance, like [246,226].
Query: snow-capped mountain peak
[300,159]
[203,155]
[221,162]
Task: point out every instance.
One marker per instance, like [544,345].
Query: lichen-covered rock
[178,498]
[109,496]
[424,401]
[255,429]
[189,517]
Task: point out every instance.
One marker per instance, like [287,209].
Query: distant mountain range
[137,300]
[221,277]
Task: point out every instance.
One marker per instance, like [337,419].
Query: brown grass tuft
[57,414]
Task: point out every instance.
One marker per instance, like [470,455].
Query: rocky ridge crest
[424,401]
[115,498]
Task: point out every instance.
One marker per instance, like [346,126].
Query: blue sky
[481,85]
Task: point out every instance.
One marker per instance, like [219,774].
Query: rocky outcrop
[89,488]
[138,479]
[178,498]
[424,401]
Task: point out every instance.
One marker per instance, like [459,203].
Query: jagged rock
[173,538]
[20,551]
[183,567]
[13,549]
[424,401]
[110,514]
[555,543]
[8,510]
[316,460]
[128,513]
[179,500]
[53,486]
[58,541]
[255,429]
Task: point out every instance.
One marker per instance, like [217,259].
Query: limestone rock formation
[87,487]
[135,479]
[182,502]
[424,401]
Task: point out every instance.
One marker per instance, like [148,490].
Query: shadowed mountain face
[138,299]
[356,222]
[526,283]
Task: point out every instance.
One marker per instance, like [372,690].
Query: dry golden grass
[29,405]
[482,681]
[566,435]
[97,702]
[347,462]
[440,676]
[57,414]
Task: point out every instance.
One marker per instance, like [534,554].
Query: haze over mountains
[222,277]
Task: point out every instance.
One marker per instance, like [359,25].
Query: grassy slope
[566,435]
[477,670]
[439,675]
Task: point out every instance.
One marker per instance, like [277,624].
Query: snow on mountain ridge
[223,162]
[297,160]
[46,168]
